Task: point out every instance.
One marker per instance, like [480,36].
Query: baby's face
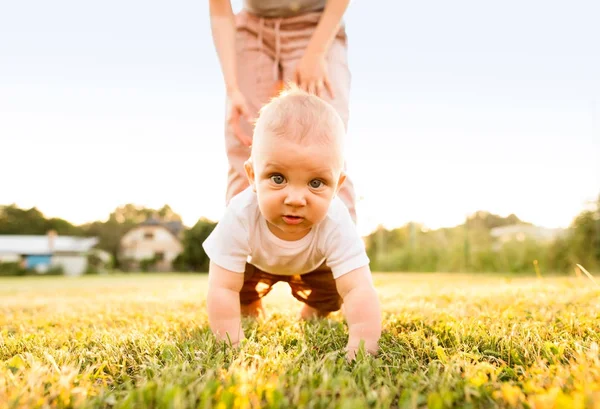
[294,184]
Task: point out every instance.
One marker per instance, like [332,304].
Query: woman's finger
[245,112]
[297,79]
[329,87]
[236,127]
[320,89]
[241,135]
[232,116]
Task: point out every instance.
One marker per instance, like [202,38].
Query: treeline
[14,220]
[471,247]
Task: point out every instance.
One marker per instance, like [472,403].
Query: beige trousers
[268,50]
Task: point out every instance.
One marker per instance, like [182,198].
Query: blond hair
[299,117]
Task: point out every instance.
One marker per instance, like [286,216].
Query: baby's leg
[318,292]
[307,312]
[257,284]
[254,309]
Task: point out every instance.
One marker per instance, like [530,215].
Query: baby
[290,226]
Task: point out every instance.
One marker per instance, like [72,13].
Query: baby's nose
[295,197]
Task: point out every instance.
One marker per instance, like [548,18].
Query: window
[159,256]
[148,235]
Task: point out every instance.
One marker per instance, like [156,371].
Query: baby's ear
[340,181]
[250,173]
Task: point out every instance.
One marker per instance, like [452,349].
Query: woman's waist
[274,9]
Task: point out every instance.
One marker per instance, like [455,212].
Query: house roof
[22,244]
[174,227]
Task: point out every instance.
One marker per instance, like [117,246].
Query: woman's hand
[311,75]
[238,108]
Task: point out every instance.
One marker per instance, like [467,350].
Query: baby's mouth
[292,219]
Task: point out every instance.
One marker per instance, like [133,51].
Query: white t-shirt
[242,235]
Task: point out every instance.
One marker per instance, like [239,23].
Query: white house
[152,240]
[41,253]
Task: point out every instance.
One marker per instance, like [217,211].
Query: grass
[450,340]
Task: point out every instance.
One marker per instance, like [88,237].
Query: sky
[455,107]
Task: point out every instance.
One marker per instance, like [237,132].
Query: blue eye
[277,179]
[316,183]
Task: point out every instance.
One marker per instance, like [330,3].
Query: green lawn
[450,340]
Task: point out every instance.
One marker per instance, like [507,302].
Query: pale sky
[455,107]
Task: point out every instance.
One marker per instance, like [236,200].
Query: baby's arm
[361,308]
[223,303]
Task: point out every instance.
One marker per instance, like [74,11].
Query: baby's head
[297,162]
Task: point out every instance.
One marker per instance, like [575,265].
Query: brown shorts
[317,289]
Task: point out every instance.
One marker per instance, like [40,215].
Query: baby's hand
[352,351]
[351,354]
[238,343]
[362,310]
[223,304]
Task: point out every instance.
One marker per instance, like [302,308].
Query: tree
[135,214]
[167,214]
[585,237]
[14,220]
[193,256]
[487,220]
[109,235]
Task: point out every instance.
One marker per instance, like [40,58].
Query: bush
[55,271]
[12,269]
[147,264]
